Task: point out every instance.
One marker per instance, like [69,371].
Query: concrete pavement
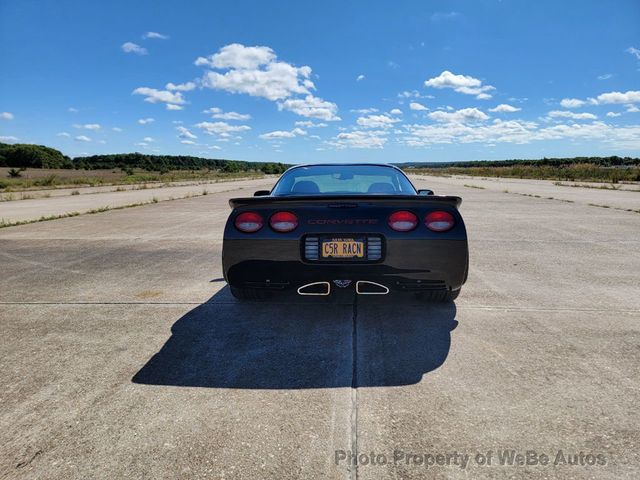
[626,197]
[62,202]
[124,355]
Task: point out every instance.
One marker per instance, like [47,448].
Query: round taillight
[249,222]
[283,221]
[403,221]
[439,221]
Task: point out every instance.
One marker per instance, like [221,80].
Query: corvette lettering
[344,221]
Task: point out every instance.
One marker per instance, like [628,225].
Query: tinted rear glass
[343,180]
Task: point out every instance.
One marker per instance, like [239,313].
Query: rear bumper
[407,265]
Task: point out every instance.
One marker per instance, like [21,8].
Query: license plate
[343,248]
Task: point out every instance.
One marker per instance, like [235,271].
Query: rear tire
[250,294]
[439,297]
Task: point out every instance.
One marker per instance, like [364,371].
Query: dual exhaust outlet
[363,287]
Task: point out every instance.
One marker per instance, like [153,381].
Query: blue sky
[323,81]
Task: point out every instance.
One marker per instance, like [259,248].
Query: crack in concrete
[354,391]
[231,302]
[26,462]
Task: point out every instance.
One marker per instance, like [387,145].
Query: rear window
[343,180]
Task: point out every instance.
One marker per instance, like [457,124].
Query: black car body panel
[416,260]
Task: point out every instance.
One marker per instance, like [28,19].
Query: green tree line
[39,156]
[32,156]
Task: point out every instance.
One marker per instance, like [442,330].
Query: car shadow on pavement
[227,344]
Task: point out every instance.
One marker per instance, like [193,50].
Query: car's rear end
[369,245]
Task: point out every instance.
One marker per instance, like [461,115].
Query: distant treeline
[32,156]
[613,161]
[165,163]
[39,156]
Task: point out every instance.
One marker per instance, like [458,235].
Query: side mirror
[425,191]
[261,193]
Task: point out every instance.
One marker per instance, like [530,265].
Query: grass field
[586,172]
[43,178]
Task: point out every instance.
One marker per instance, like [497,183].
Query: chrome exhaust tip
[317,288]
[364,287]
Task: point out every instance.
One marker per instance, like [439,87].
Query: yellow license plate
[343,248]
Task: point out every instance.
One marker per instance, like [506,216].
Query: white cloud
[148,139]
[144,121]
[116,129]
[572,115]
[310,124]
[221,128]
[417,107]
[72,110]
[88,126]
[461,84]
[460,116]
[181,87]
[214,147]
[632,109]
[360,78]
[396,111]
[188,142]
[613,114]
[171,106]
[363,111]
[631,96]
[633,51]
[8,138]
[153,95]
[377,121]
[130,47]
[218,113]
[373,139]
[238,56]
[571,103]
[522,132]
[504,108]
[185,133]
[6,116]
[413,94]
[82,138]
[312,107]
[63,134]
[283,134]
[256,71]
[606,76]
[448,79]
[278,81]
[157,35]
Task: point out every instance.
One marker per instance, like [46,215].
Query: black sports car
[360,227]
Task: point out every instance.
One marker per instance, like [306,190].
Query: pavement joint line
[354,391]
[547,309]
[459,307]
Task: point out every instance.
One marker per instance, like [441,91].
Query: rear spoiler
[344,200]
